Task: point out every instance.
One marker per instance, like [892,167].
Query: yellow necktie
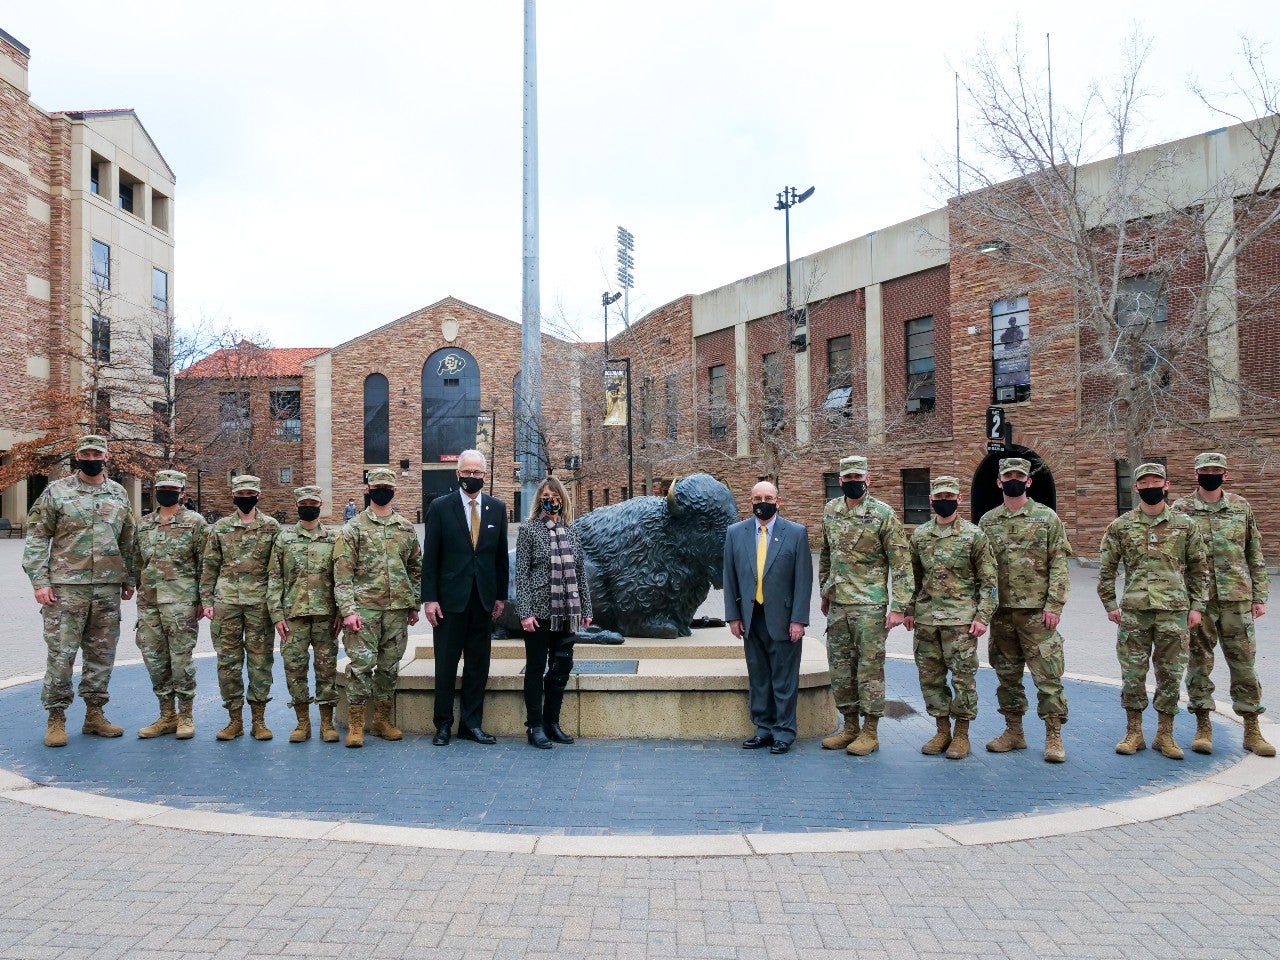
[475,524]
[762,548]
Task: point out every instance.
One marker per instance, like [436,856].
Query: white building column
[741,400]
[875,364]
[322,418]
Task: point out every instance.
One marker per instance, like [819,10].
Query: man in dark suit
[464,586]
[768,576]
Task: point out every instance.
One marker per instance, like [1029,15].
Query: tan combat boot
[941,740]
[959,748]
[259,731]
[55,733]
[1053,751]
[328,732]
[355,725]
[844,736]
[1254,741]
[1202,742]
[382,725]
[235,728]
[868,741]
[96,722]
[167,722]
[1133,739]
[186,725]
[302,731]
[1012,739]
[1164,741]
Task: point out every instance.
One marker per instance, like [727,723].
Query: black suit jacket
[450,568]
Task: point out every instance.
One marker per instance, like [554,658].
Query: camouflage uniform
[1166,574]
[1031,551]
[861,547]
[80,542]
[955,584]
[233,581]
[377,570]
[167,556]
[300,591]
[1237,580]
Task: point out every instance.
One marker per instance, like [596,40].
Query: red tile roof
[264,362]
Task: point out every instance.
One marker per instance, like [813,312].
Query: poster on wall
[615,398]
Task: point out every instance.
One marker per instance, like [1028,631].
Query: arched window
[450,404]
[377,428]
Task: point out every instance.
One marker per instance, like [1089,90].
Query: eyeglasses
[471,473]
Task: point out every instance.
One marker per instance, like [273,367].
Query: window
[606,496]
[132,193]
[673,406]
[591,499]
[771,414]
[915,496]
[102,411]
[1124,483]
[99,175]
[1142,314]
[100,338]
[234,410]
[1011,350]
[159,290]
[286,413]
[831,486]
[159,422]
[101,265]
[920,385]
[586,439]
[286,474]
[160,356]
[717,402]
[126,195]
[95,185]
[646,409]
[839,375]
[377,419]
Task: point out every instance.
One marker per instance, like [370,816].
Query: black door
[985,495]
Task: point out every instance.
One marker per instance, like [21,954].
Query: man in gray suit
[768,576]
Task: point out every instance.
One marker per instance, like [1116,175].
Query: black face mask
[1014,488]
[308,513]
[945,508]
[168,498]
[1209,481]
[90,468]
[472,485]
[550,506]
[853,489]
[245,504]
[764,511]
[382,495]
[1151,495]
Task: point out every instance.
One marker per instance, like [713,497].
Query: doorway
[985,495]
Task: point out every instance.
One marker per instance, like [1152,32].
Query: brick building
[86,272]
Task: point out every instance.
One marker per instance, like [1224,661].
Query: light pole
[787,199]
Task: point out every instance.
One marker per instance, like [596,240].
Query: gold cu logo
[450,364]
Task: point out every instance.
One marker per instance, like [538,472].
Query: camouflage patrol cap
[944,485]
[1211,460]
[170,478]
[382,477]
[308,493]
[1015,465]
[853,465]
[246,483]
[1149,470]
[92,441]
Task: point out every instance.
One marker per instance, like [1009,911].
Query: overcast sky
[340,165]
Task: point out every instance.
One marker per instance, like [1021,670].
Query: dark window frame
[284,401]
[160,300]
[100,264]
[915,496]
[771,410]
[160,355]
[717,402]
[376,438]
[100,338]
[921,383]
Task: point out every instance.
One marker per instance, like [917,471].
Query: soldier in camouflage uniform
[300,600]
[863,545]
[955,594]
[233,592]
[79,558]
[1238,588]
[166,556]
[377,566]
[1032,552]
[1165,592]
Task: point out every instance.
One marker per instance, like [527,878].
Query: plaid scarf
[566,611]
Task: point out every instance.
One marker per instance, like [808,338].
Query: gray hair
[475,453]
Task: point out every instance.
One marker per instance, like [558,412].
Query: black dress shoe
[779,747]
[476,735]
[555,734]
[756,742]
[537,738]
[443,736]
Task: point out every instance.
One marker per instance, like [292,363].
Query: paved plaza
[1105,870]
